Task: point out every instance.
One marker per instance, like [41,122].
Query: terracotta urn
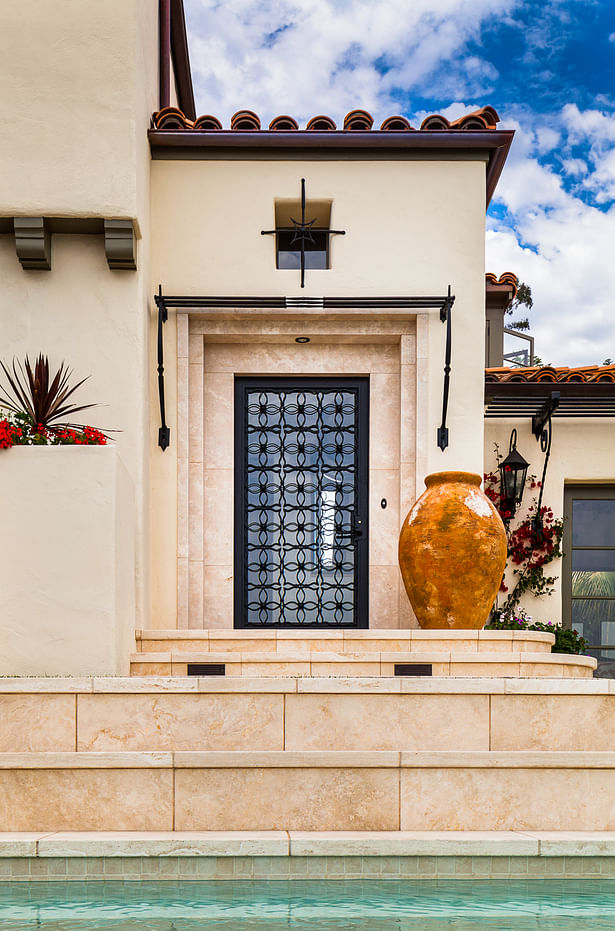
[452,553]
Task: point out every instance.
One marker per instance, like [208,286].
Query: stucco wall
[81,82]
[581,452]
[412,227]
[66,572]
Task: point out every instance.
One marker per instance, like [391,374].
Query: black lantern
[513,472]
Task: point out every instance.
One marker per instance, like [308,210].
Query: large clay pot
[452,553]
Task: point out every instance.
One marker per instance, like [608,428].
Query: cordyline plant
[38,407]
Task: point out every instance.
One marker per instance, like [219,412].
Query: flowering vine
[529,548]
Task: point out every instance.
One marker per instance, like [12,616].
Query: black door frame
[358,384]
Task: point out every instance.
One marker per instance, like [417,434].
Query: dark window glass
[593,522]
[593,560]
[594,619]
[316,253]
[589,582]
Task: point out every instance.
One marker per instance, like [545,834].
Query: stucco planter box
[67,570]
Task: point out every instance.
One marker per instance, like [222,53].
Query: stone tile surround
[32,857]
[211,350]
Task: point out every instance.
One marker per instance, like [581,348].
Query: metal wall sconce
[513,472]
[541,428]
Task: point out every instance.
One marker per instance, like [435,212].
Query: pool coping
[291,855]
[306,843]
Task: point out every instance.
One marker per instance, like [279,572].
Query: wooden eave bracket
[33,238]
[120,244]
[33,242]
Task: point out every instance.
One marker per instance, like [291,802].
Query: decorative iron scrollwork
[300,523]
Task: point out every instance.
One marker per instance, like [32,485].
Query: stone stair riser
[342,642]
[512,664]
[308,792]
[356,719]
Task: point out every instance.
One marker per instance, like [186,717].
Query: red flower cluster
[13,435]
[525,545]
[9,434]
[89,437]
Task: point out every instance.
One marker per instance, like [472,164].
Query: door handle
[355,530]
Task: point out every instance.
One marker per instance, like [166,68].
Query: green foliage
[523,298]
[566,641]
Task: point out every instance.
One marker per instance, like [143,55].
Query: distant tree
[608,362]
[523,298]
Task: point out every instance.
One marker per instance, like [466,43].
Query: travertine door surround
[212,349]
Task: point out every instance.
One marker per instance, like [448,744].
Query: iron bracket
[164,432]
[445,317]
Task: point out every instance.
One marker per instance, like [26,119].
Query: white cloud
[559,244]
[305,57]
[311,56]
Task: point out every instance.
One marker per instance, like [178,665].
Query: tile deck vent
[413,669]
[206,669]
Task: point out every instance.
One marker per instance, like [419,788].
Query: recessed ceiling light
[302,339]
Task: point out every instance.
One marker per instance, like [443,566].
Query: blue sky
[548,69]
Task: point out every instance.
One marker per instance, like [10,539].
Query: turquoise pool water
[313,905]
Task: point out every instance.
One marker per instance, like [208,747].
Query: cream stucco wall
[66,571]
[582,451]
[81,82]
[412,227]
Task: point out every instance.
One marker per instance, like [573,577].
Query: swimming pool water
[316,905]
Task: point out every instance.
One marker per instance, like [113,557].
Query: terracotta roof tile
[209,123]
[321,124]
[283,124]
[506,278]
[396,124]
[358,120]
[548,373]
[355,121]
[245,121]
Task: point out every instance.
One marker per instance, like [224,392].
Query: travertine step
[211,713]
[319,663]
[308,640]
[308,791]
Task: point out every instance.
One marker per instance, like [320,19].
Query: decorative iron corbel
[542,430]
[445,317]
[164,433]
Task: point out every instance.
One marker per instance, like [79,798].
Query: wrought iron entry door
[301,461]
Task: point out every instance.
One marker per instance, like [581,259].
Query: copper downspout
[165,53]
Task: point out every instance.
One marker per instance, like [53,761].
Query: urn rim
[439,478]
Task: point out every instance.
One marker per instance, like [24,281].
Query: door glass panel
[301,504]
[593,522]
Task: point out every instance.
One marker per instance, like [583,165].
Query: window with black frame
[589,570]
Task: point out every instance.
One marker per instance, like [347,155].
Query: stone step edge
[421,685]
[503,657]
[308,759]
[350,635]
[68,844]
